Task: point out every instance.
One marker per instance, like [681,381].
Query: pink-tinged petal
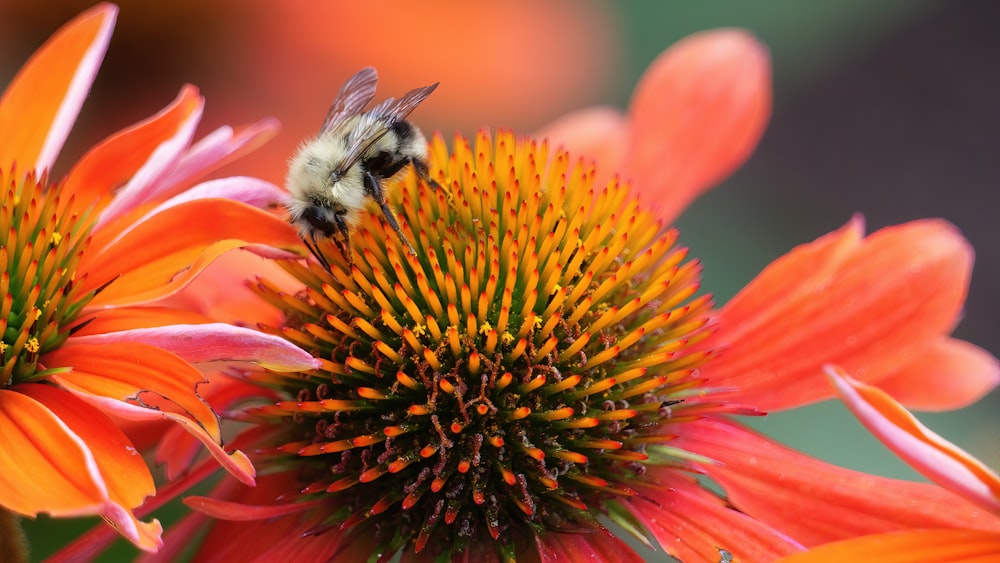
[75,462]
[911,546]
[869,307]
[220,147]
[41,104]
[250,191]
[934,457]
[598,133]
[696,116]
[816,502]
[693,524]
[147,182]
[215,342]
[948,374]
[115,160]
[599,545]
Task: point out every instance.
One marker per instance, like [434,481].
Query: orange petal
[815,502]
[115,160]
[911,546]
[597,133]
[40,105]
[696,115]
[76,461]
[162,254]
[870,311]
[46,466]
[692,524]
[934,457]
[221,291]
[948,374]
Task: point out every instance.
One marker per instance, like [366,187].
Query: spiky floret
[44,237]
[511,377]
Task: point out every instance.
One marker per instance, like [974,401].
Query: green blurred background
[885,108]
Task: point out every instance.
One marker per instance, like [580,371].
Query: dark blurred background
[888,109]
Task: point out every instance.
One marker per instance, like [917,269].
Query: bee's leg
[424,173]
[343,238]
[374,189]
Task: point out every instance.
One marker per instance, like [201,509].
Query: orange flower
[85,345]
[935,458]
[544,364]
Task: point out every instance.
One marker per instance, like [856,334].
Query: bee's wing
[357,92]
[375,124]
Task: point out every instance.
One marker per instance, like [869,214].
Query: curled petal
[137,372]
[868,306]
[75,462]
[934,457]
[949,374]
[236,462]
[215,342]
[116,160]
[816,502]
[39,107]
[152,266]
[696,115]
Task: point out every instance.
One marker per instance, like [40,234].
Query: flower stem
[13,545]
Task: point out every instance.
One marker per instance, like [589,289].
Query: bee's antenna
[373,187]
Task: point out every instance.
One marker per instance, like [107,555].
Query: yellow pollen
[485,328]
[506,338]
[419,330]
[56,238]
[36,313]
[32,345]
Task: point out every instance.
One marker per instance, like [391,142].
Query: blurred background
[888,109]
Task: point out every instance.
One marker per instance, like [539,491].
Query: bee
[334,176]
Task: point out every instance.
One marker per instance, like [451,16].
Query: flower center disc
[508,378]
[44,238]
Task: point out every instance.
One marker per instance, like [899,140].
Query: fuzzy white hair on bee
[334,176]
